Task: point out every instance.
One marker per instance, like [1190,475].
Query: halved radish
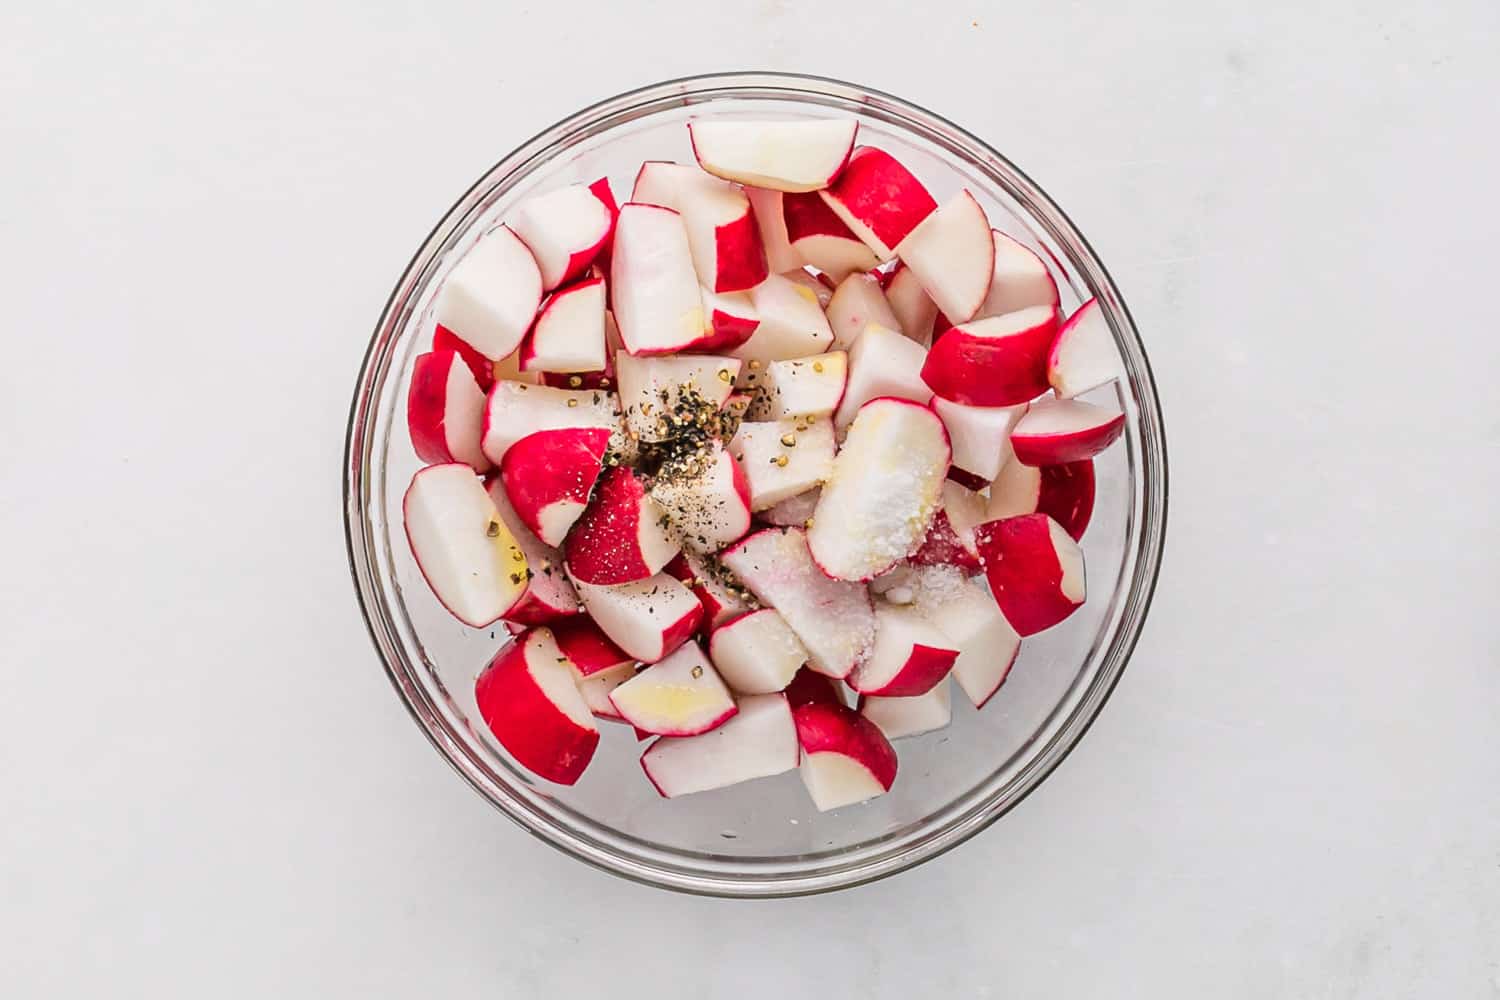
[845,757]
[1021,280]
[808,687]
[491,295]
[953,256]
[980,435]
[528,699]
[564,229]
[1035,570]
[1064,493]
[882,363]
[445,411]
[444,339]
[647,619]
[707,502]
[721,228]
[910,656]
[515,409]
[731,318]
[1084,355]
[833,618]
[993,362]
[801,387]
[878,199]
[1055,431]
[550,599]
[621,537]
[987,644]
[858,302]
[757,653]
[820,238]
[548,477]
[898,717]
[721,596]
[653,285]
[792,324]
[462,548]
[883,491]
[779,155]
[782,458]
[758,741]
[680,695]
[569,331]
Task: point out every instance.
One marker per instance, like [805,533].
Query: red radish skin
[548,477]
[742,259]
[1035,570]
[444,411]
[879,199]
[602,191]
[564,229]
[720,604]
[731,320]
[821,239]
[1055,431]
[834,729]
[967,480]
[910,656]
[1064,493]
[515,696]
[993,362]
[444,339]
[619,537]
[589,649]
[943,547]
[808,687]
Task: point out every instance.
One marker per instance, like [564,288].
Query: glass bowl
[763,838]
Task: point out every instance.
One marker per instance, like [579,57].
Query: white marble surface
[209,787]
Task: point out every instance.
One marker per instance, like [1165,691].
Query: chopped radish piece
[953,256]
[564,229]
[515,410]
[653,286]
[1021,280]
[620,538]
[491,295]
[883,491]
[731,317]
[588,649]
[721,228]
[707,504]
[845,757]
[757,653]
[913,307]
[793,512]
[444,339]
[569,331]
[909,658]
[1035,570]
[445,411]
[882,363]
[993,362]
[783,458]
[820,238]
[820,289]
[647,619]
[1055,431]
[462,548]
[943,547]
[792,324]
[681,695]
[980,435]
[528,699]
[655,391]
[759,741]
[766,205]
[1064,493]
[596,689]
[801,387]
[1084,355]
[833,618]
[779,155]
[879,200]
[986,643]
[898,717]
[809,687]
[710,583]
[857,303]
[548,477]
[550,599]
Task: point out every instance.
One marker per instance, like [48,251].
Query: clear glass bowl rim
[867,865]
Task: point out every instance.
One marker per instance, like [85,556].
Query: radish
[780,155]
[793,511]
[943,547]
[808,687]
[980,435]
[647,619]
[783,458]
[846,759]
[680,695]
[444,339]
[621,537]
[910,656]
[882,492]
[721,228]
[653,286]
[882,363]
[766,205]
[914,309]
[569,331]
[722,597]
[564,230]
[756,742]
[587,648]
[1021,280]
[879,200]
[662,396]
[462,548]
[528,699]
[993,362]
[548,477]
[857,303]
[792,324]
[801,387]
[820,238]
[953,255]
[515,410]
[731,319]
[757,653]
[899,717]
[833,618]
[1084,356]
[550,598]
[987,644]
[445,411]
[1064,493]
[707,502]
[597,687]
[490,296]
[1035,570]
[1055,431]
[817,285]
